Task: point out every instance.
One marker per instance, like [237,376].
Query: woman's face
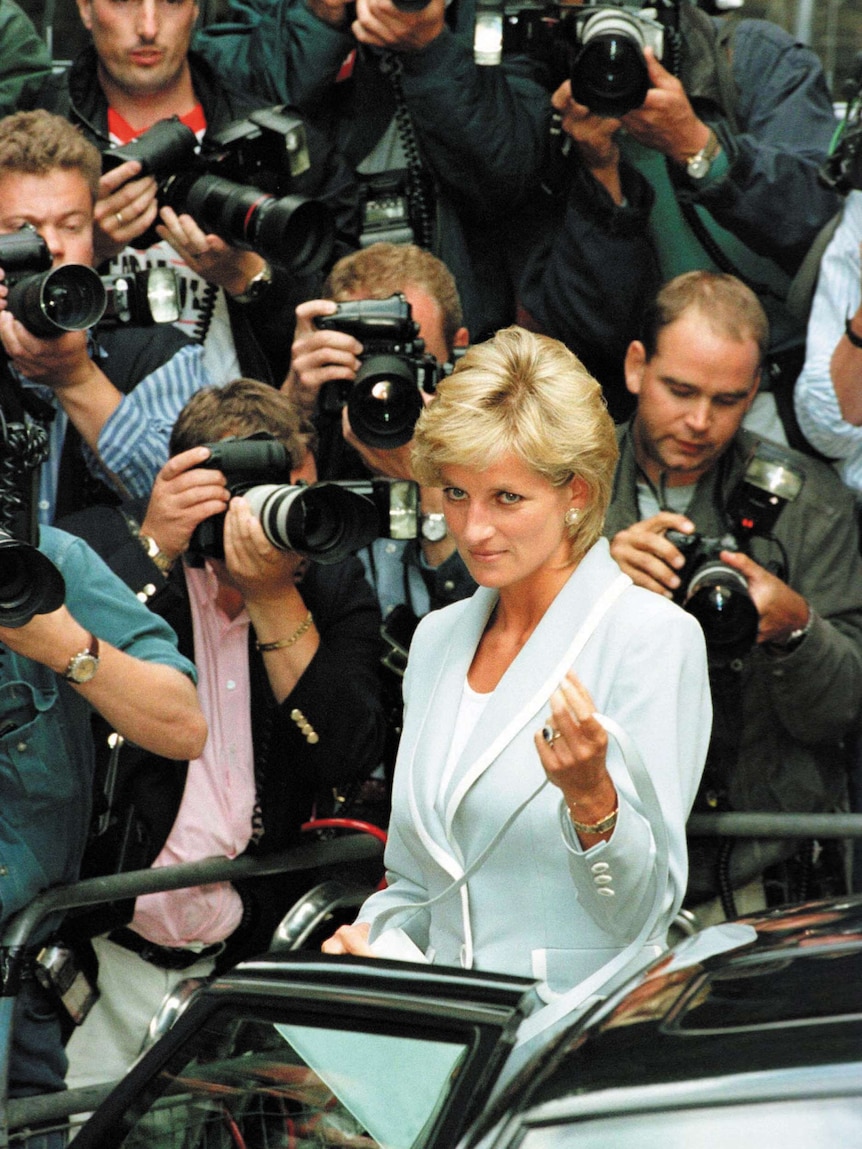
[508,521]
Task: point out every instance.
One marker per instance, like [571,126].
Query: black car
[746,1033]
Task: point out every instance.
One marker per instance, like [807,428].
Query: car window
[248,1081]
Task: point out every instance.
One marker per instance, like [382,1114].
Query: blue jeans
[37,1063]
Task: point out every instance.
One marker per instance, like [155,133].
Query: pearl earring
[572,516]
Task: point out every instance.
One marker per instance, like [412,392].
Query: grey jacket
[781,722]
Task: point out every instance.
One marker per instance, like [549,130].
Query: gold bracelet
[305,625]
[600,827]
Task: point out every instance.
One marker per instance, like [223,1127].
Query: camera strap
[418,178]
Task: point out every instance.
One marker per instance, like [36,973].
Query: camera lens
[29,583]
[609,75]
[323,521]
[295,233]
[71,297]
[384,402]
[718,598]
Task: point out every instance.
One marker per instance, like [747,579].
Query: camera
[384,400]
[48,300]
[842,171]
[238,185]
[713,592]
[323,521]
[599,46]
[29,582]
[141,298]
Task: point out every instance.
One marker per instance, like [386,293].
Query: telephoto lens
[29,582]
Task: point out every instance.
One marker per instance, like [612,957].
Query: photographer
[786,711]
[456,144]
[100,651]
[716,169]
[828,394]
[322,358]
[287,657]
[137,71]
[49,179]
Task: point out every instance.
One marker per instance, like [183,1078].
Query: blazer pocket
[560,970]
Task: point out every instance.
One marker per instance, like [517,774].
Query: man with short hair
[429,573]
[786,708]
[49,180]
[137,71]
[287,655]
[101,651]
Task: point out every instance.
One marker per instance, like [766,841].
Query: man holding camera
[138,71]
[717,168]
[787,709]
[49,180]
[443,147]
[287,656]
[98,651]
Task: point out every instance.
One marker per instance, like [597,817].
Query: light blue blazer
[538,904]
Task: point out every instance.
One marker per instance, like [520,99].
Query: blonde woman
[556,723]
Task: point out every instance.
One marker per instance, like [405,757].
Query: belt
[163,956]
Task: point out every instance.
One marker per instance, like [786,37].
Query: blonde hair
[38,143]
[527,395]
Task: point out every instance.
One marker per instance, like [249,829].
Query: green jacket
[782,723]
[25,73]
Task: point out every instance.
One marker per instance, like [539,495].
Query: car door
[298,1051]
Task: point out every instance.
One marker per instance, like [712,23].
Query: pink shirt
[215,815]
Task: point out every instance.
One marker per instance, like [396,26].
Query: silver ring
[119,217]
[550,734]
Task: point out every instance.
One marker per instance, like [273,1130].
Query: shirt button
[448,584]
[21,747]
[231,685]
[44,504]
[391,548]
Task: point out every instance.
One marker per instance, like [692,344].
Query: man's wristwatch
[158,556]
[697,166]
[83,665]
[432,526]
[258,285]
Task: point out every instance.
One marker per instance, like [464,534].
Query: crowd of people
[635,586]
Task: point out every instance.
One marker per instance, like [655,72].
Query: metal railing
[313,858]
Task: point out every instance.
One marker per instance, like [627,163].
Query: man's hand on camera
[595,137]
[782,610]
[214,260]
[62,362]
[126,207]
[184,494]
[382,25]
[263,574]
[317,357]
[650,559]
[666,120]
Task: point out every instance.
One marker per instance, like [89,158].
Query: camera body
[715,593]
[48,300]
[323,521]
[842,171]
[599,47]
[238,185]
[385,399]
